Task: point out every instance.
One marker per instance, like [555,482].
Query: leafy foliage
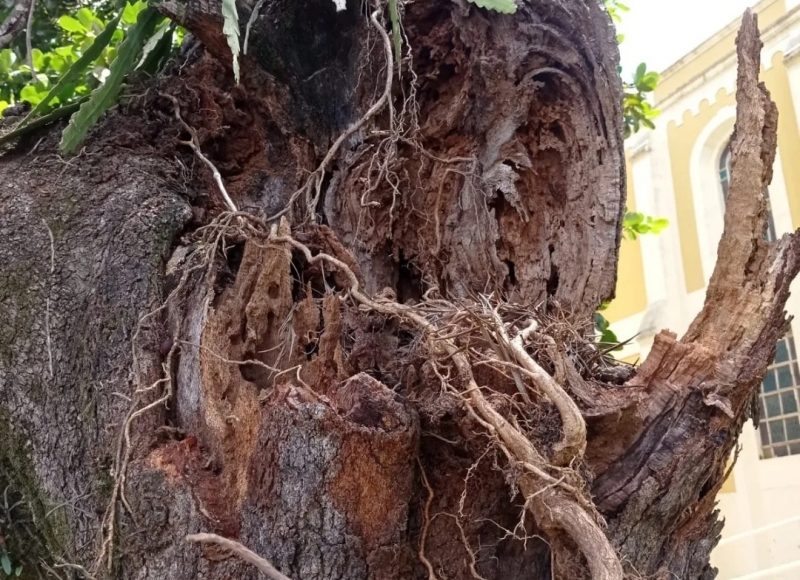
[159,48]
[635,224]
[394,16]
[7,567]
[105,95]
[76,53]
[83,64]
[60,91]
[605,336]
[503,6]
[230,27]
[636,111]
[615,8]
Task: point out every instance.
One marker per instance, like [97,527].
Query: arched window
[725,171]
[780,416]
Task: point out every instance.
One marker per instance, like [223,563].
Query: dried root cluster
[515,373]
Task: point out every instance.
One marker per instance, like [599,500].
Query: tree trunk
[376,362]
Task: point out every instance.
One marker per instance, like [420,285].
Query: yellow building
[680,171]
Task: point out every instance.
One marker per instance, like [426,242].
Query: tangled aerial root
[457,338]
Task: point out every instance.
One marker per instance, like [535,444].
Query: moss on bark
[32,529]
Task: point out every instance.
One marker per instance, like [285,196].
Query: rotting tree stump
[379,366]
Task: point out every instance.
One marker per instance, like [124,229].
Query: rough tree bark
[379,366]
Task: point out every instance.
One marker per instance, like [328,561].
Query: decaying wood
[697,391]
[363,390]
[504,108]
[247,555]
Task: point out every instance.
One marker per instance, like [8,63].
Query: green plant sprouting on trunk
[104,96]
[84,74]
[502,6]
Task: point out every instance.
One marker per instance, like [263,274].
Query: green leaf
[154,60]
[7,59]
[65,94]
[394,16]
[603,327]
[657,225]
[103,97]
[71,24]
[65,51]
[76,69]
[18,570]
[38,59]
[131,12]
[640,70]
[88,18]
[153,41]
[633,218]
[502,6]
[42,121]
[609,337]
[230,28]
[5,561]
[58,63]
[31,94]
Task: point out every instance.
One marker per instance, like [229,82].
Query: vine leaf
[93,52]
[104,96]
[394,16]
[43,121]
[155,40]
[503,6]
[154,58]
[230,28]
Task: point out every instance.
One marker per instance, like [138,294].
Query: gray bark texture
[343,375]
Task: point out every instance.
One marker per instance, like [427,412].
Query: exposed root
[426,524]
[247,555]
[313,186]
[194,144]
[573,442]
[473,560]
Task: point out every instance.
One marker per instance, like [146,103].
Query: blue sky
[659,32]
